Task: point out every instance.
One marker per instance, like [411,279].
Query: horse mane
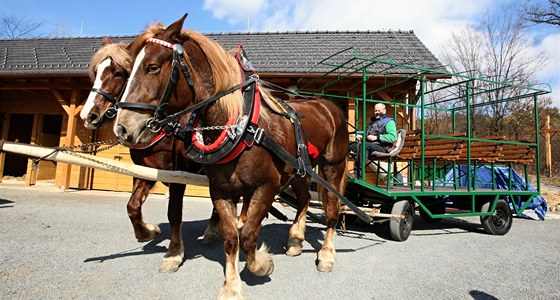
[225,72]
[118,54]
[140,41]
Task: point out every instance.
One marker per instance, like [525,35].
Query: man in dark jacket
[380,133]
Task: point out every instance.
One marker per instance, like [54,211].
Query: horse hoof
[208,238]
[295,247]
[170,264]
[152,232]
[263,265]
[264,270]
[325,260]
[325,266]
[294,251]
[230,294]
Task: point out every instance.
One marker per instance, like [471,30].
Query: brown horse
[109,70]
[255,174]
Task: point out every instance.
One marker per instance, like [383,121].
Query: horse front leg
[227,211]
[143,232]
[259,262]
[297,230]
[175,253]
[335,176]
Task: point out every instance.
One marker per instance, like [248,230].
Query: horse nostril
[120,131]
[92,118]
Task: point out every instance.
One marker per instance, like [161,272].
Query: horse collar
[238,132]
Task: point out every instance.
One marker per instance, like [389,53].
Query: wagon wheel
[500,222]
[400,229]
[436,209]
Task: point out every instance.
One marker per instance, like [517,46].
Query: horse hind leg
[335,176]
[258,262]
[296,235]
[142,231]
[175,252]
[212,231]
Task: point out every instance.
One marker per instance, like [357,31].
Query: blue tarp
[484,180]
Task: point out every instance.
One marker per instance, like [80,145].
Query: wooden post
[548,147]
[31,174]
[72,110]
[4,136]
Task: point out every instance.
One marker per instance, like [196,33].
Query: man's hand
[358,137]
[371,138]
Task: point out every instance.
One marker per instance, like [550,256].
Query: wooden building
[44,84]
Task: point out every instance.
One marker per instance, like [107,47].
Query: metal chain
[83,149]
[215,127]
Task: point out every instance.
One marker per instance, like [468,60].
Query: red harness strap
[161,134]
[254,119]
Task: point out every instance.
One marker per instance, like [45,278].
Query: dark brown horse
[255,174]
[109,70]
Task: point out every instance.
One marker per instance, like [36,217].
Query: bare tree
[543,14]
[61,30]
[13,27]
[498,46]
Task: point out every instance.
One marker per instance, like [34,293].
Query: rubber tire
[436,209]
[499,223]
[400,229]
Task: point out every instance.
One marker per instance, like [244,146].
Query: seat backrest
[397,146]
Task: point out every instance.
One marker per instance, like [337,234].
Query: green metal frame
[456,89]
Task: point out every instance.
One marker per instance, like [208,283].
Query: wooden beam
[4,136]
[61,101]
[75,99]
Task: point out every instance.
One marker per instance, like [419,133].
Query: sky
[433,21]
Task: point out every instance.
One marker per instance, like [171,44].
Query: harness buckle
[153,125]
[301,167]
[258,133]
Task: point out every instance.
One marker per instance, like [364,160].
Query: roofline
[223,33]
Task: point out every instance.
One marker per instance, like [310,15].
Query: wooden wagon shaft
[91,161]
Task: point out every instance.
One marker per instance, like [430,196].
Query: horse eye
[119,74]
[153,68]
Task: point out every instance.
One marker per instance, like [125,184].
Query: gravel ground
[80,245]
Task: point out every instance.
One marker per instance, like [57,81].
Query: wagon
[445,170]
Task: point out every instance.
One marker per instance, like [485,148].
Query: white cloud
[550,74]
[234,11]
[433,21]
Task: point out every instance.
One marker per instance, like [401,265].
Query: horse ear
[106,41]
[174,29]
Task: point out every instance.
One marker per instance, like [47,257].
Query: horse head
[173,69]
[109,69]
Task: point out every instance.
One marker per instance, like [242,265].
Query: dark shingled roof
[277,52]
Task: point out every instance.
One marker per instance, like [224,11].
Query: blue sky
[433,21]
